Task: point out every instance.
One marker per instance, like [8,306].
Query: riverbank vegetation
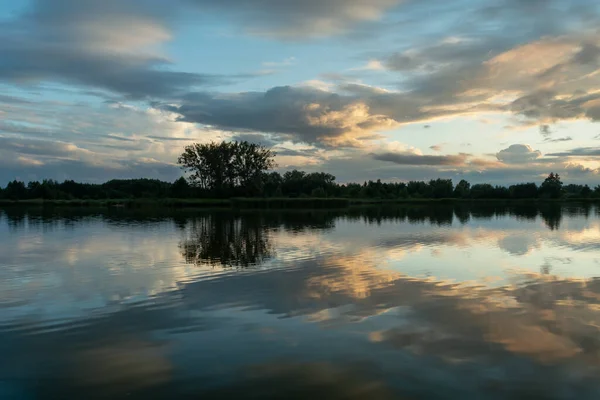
[240,174]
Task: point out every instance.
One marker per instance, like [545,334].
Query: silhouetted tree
[15,190]
[552,187]
[272,184]
[585,191]
[441,188]
[227,168]
[293,182]
[482,191]
[523,191]
[462,189]
[180,188]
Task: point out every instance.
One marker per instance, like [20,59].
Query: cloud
[356,166]
[501,58]
[371,65]
[169,138]
[578,152]
[301,114]
[111,45]
[346,115]
[285,63]
[291,19]
[93,141]
[558,140]
[535,62]
[518,154]
[30,169]
[254,138]
[37,147]
[419,159]
[545,131]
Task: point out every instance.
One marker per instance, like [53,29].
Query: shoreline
[279,203]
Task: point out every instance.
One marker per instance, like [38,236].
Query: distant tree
[418,189]
[318,192]
[462,189]
[34,190]
[441,188]
[552,187]
[482,191]
[352,190]
[272,182]
[293,182]
[319,180]
[250,161]
[180,188]
[500,192]
[573,190]
[586,191]
[227,168]
[15,190]
[523,191]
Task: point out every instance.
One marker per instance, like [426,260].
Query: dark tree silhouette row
[242,169]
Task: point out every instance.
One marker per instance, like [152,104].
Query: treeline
[293,184]
[242,169]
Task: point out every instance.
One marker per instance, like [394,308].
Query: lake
[407,302]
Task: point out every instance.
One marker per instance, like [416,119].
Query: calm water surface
[408,303]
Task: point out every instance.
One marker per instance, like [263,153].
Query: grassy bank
[125,203]
[306,203]
[474,201]
[276,203]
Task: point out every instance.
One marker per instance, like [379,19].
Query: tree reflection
[300,221]
[552,215]
[525,211]
[15,218]
[462,213]
[227,240]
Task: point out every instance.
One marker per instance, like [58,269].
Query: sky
[500,91]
